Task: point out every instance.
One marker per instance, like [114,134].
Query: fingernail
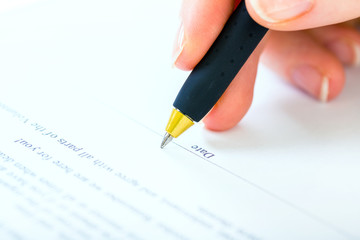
[348,53]
[324,90]
[356,61]
[311,80]
[179,43]
[281,10]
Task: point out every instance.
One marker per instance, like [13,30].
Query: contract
[82,115]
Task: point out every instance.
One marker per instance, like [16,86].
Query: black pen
[210,78]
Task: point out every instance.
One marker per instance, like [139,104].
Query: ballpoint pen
[210,78]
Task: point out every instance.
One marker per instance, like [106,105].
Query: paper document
[86,91]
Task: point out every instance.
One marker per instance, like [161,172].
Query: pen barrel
[210,78]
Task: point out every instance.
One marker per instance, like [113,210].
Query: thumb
[302,14]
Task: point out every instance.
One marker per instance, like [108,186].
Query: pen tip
[167,138]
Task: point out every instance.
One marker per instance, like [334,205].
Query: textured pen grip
[210,78]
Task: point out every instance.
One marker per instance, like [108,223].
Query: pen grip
[210,78]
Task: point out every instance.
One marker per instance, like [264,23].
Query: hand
[309,43]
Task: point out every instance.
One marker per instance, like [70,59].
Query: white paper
[87,88]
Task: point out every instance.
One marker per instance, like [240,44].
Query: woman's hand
[309,43]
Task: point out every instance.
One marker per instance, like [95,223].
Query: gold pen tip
[167,138]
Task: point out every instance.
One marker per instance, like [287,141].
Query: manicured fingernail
[179,43]
[324,90]
[281,10]
[356,60]
[348,53]
[311,80]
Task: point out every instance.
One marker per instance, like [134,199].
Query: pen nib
[167,138]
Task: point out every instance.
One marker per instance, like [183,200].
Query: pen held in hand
[211,77]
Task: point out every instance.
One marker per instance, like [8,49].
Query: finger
[302,14]
[202,21]
[236,101]
[343,40]
[305,63]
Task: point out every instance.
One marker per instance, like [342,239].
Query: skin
[308,44]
